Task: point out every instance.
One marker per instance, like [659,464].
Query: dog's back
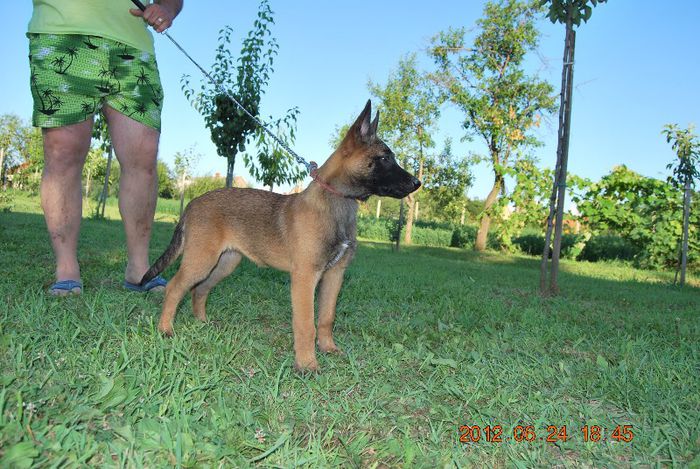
[250,221]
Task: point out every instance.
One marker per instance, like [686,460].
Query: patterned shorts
[73,76]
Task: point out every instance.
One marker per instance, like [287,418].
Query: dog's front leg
[304,283]
[327,298]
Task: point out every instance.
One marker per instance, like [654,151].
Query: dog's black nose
[416,183]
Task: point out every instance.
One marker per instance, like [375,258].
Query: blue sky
[636,65]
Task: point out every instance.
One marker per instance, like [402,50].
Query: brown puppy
[310,234]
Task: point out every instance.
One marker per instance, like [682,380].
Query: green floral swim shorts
[73,76]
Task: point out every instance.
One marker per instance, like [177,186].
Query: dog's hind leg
[327,297]
[304,281]
[195,267]
[228,261]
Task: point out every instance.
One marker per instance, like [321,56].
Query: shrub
[424,236]
[533,244]
[608,247]
[376,229]
[433,224]
[463,236]
[6,201]
[203,184]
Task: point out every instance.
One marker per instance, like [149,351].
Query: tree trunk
[557,198]
[412,198]
[409,219]
[686,219]
[88,177]
[417,207]
[464,212]
[561,194]
[229,170]
[105,186]
[182,192]
[379,207]
[483,232]
[2,168]
[399,225]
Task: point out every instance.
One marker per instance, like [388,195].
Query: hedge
[425,233]
[608,247]
[533,244]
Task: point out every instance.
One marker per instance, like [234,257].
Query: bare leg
[304,283]
[327,297]
[136,148]
[227,263]
[65,149]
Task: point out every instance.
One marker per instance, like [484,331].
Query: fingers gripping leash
[311,167]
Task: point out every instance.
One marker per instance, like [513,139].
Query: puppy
[311,235]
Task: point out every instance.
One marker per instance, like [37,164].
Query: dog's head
[367,164]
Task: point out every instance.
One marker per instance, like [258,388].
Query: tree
[500,102]
[10,125]
[409,109]
[231,128]
[528,200]
[184,162]
[274,165]
[446,181]
[93,161]
[685,171]
[20,143]
[100,133]
[166,187]
[570,13]
[644,211]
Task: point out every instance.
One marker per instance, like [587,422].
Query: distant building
[238,181]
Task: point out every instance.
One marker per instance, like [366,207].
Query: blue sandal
[151,285]
[66,287]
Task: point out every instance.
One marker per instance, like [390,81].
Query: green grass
[434,338]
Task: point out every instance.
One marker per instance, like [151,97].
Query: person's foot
[66,287]
[156,284]
[134,272]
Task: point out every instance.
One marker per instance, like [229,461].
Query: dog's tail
[171,253]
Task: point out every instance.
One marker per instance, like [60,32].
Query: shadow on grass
[612,271]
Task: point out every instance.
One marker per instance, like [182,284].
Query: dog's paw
[166,331]
[330,347]
[307,369]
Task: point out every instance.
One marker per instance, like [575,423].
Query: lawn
[434,340]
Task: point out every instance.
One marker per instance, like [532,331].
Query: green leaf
[20,455]
[112,393]
[601,362]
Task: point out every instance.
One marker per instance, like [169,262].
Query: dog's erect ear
[375,124]
[362,126]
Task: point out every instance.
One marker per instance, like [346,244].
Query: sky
[637,68]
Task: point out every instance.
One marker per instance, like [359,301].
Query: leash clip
[313,169]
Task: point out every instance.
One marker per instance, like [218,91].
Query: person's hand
[157,15]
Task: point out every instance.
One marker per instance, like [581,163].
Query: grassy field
[434,339]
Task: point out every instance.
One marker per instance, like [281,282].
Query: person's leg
[136,148]
[65,149]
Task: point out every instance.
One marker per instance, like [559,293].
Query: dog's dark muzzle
[399,191]
[416,183]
